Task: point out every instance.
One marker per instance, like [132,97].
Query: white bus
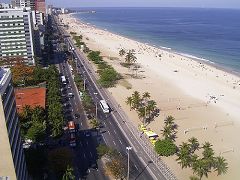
[63,79]
[104,106]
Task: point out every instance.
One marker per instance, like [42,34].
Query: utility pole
[128,149]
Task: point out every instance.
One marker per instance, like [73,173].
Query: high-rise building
[16,34]
[40,6]
[23,3]
[12,159]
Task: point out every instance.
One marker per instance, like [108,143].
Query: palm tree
[141,113]
[167,132]
[136,100]
[146,95]
[184,158]
[208,154]
[200,168]
[122,52]
[169,121]
[130,57]
[220,165]
[129,102]
[194,144]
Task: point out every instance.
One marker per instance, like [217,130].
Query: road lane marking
[120,141]
[136,167]
[91,155]
[84,155]
[114,143]
[114,131]
[109,133]
[104,139]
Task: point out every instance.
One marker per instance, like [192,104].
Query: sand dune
[207,97]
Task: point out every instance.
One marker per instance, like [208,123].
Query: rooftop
[34,96]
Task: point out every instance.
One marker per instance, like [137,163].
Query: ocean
[211,35]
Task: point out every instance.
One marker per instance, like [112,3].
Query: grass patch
[125,83]
[127,65]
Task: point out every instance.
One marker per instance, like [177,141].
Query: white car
[70,95]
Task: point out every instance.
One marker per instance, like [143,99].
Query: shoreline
[168,49]
[190,88]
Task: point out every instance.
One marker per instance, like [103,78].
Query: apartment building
[12,159]
[16,34]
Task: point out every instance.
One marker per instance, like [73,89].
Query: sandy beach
[204,100]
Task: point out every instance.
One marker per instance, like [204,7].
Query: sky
[145,3]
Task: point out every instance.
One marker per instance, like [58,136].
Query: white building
[16,34]
[12,159]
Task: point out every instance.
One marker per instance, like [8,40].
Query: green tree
[108,77]
[146,96]
[68,175]
[95,124]
[150,107]
[169,131]
[165,147]
[136,100]
[220,165]
[184,156]
[130,57]
[129,102]
[59,160]
[194,144]
[122,52]
[200,168]
[95,57]
[102,149]
[37,131]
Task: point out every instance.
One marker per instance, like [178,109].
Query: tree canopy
[165,147]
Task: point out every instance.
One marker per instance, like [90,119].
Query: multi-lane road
[115,131]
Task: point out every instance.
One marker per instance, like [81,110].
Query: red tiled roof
[30,96]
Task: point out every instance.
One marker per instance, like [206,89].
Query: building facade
[16,34]
[40,6]
[12,159]
[23,3]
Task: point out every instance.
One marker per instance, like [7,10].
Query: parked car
[77,115]
[70,95]
[72,141]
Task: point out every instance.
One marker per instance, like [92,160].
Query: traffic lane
[91,147]
[87,74]
[122,143]
[89,152]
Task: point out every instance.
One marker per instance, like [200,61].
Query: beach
[204,100]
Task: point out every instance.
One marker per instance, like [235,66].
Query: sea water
[211,35]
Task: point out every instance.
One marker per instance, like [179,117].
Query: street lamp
[128,149]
